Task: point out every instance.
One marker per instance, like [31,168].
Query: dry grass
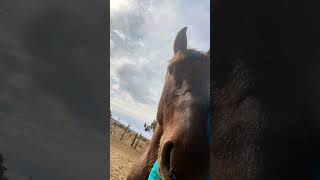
[122,155]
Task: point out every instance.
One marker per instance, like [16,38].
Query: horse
[265,99]
[180,139]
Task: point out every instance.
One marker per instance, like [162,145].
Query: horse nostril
[167,156]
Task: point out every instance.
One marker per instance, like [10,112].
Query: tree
[153,125]
[146,127]
[150,127]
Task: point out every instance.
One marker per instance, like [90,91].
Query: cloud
[132,78]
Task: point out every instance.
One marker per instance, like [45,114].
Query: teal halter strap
[154,174]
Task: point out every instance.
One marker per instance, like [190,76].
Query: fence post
[135,147]
[125,131]
[114,125]
[134,139]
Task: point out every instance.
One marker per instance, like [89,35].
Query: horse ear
[180,42]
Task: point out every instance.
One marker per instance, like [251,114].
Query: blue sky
[142,33]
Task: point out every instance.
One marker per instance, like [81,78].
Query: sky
[142,34]
[53,79]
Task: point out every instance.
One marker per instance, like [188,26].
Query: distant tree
[146,127]
[3,169]
[153,125]
[150,127]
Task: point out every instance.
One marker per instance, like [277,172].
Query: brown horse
[180,141]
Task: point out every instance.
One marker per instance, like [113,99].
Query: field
[122,155]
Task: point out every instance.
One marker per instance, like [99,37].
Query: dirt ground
[122,155]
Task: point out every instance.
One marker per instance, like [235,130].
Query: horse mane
[190,54]
[194,53]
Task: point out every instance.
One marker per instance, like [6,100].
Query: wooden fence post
[134,139]
[135,147]
[125,131]
[114,125]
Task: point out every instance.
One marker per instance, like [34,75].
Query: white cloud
[111,44]
[118,5]
[121,35]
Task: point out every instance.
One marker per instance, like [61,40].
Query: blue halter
[154,174]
